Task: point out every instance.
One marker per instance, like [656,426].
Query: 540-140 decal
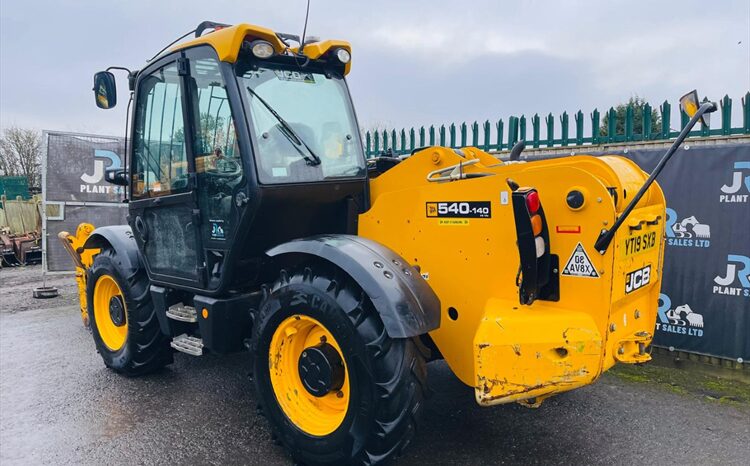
[459,209]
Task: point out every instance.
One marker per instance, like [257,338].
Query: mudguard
[406,303]
[120,238]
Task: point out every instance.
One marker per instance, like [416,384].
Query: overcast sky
[416,62]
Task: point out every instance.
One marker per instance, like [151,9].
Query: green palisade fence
[491,136]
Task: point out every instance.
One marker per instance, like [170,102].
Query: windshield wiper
[289,132]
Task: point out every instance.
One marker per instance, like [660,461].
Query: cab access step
[188,344]
[182,313]
[220,325]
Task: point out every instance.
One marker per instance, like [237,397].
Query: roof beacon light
[343,55]
[261,48]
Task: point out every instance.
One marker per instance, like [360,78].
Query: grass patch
[686,382]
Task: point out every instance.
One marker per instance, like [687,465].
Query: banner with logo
[75,191]
[76,165]
[705,298]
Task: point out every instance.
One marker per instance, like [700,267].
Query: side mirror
[690,103]
[105,89]
[116,176]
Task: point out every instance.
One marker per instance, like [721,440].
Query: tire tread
[398,367]
[149,347]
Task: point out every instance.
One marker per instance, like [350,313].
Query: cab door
[220,179]
[164,213]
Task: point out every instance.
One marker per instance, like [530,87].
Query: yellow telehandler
[256,223]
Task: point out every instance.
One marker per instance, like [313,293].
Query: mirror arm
[606,236]
[118,68]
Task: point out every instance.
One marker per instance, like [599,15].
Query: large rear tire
[364,412]
[123,322]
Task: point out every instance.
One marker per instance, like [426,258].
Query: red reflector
[568,228]
[532,201]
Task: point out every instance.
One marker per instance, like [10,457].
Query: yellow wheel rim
[314,415]
[113,335]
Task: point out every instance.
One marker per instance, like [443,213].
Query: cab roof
[227,42]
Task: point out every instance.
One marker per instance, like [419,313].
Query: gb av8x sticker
[579,264]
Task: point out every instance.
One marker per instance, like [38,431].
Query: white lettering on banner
[688,233]
[101,189]
[732,193]
[737,273]
[681,320]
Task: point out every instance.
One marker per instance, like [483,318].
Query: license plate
[638,243]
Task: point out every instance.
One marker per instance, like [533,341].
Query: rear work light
[538,269]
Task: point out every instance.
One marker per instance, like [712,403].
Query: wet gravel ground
[60,405]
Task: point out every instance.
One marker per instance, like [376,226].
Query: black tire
[387,377]
[146,348]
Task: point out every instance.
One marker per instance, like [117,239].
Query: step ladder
[182,313]
[188,344]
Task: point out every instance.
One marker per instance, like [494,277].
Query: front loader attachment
[83,258]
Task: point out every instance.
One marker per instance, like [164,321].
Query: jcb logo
[637,279]
[740,182]
[738,269]
[432,209]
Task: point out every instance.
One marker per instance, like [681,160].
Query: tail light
[538,270]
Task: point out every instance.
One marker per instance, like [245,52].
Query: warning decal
[579,264]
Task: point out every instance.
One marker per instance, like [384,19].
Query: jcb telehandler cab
[256,222]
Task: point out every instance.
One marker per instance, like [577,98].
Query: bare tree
[20,154]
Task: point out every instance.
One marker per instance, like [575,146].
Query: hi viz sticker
[579,264]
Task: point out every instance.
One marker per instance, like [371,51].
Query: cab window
[298,116]
[159,160]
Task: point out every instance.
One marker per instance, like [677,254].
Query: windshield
[300,118]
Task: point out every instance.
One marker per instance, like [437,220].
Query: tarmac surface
[60,405]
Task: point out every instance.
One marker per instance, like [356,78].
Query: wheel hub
[117,311]
[311,393]
[321,369]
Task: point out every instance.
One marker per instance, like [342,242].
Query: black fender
[121,239]
[405,301]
